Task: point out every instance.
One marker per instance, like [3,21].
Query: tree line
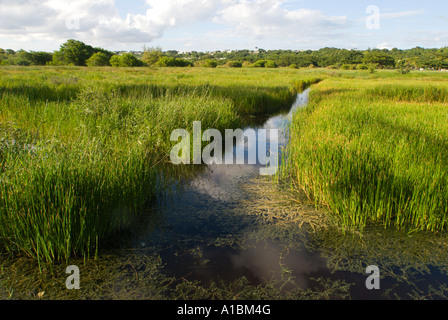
[77,53]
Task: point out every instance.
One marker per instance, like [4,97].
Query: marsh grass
[374,153]
[83,151]
[411,92]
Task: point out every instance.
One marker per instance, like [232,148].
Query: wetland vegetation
[86,180]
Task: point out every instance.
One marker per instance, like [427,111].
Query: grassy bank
[374,150]
[82,150]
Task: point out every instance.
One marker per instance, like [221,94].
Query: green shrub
[125,60]
[234,64]
[172,62]
[270,64]
[99,59]
[260,64]
[265,64]
[209,63]
[362,66]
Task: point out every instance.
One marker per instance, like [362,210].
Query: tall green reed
[82,151]
[370,160]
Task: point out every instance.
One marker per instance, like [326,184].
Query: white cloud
[51,19]
[385,45]
[97,21]
[100,24]
[266,18]
[180,12]
[394,15]
[17,16]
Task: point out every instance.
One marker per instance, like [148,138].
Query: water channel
[229,222]
[227,229]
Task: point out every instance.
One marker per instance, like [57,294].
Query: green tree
[22,58]
[381,58]
[40,58]
[372,67]
[152,55]
[166,62]
[402,67]
[129,60]
[115,61]
[441,58]
[58,59]
[74,52]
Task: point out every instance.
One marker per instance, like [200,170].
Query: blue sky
[209,25]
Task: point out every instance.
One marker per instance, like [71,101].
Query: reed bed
[84,151]
[374,152]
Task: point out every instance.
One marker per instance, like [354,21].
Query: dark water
[205,234]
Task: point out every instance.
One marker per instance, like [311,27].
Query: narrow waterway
[225,231]
[209,232]
[228,222]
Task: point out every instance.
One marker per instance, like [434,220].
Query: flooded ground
[230,233]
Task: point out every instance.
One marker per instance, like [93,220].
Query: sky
[210,25]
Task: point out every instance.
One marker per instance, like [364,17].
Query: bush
[259,64]
[115,61]
[125,60]
[362,66]
[234,64]
[270,64]
[372,67]
[294,66]
[99,59]
[129,60]
[23,63]
[402,67]
[345,67]
[172,62]
[265,64]
[151,56]
[209,63]
[40,58]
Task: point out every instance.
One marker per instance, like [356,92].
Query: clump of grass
[58,204]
